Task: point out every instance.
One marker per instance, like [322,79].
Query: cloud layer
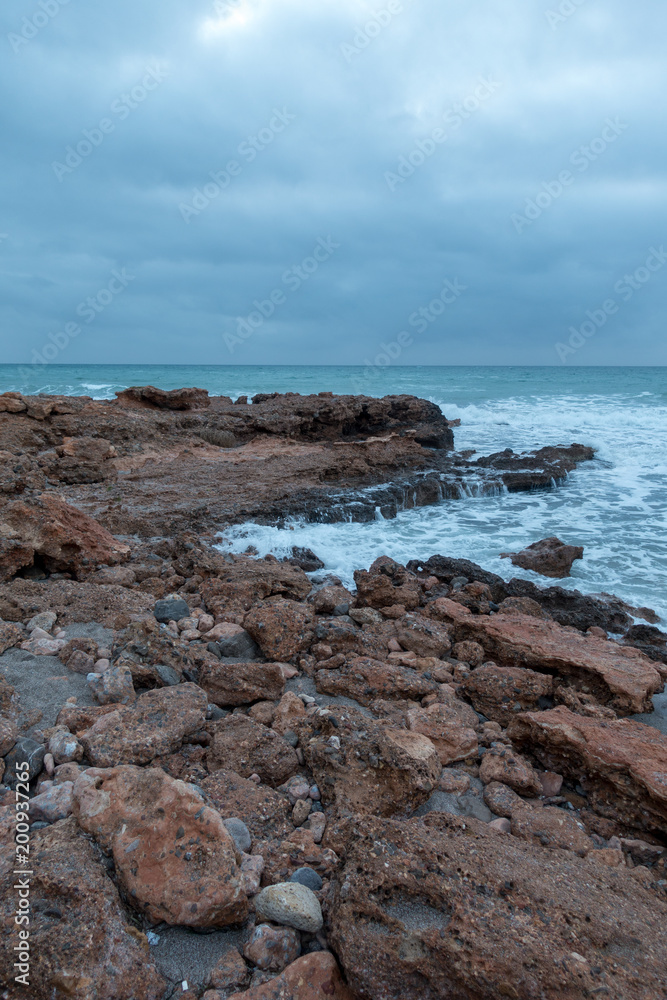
[206,151]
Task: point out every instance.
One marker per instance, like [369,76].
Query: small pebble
[307,877]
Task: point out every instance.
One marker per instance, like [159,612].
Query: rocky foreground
[247,781]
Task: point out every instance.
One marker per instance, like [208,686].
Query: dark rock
[307,877]
[171,610]
[27,751]
[305,559]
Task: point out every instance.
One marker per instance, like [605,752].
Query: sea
[615,506]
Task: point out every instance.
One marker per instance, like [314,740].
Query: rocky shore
[247,780]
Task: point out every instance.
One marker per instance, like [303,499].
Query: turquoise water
[615,506]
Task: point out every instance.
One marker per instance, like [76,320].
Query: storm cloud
[333,181]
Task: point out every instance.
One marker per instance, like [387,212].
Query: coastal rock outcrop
[550,557]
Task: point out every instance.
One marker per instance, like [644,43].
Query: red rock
[551,827]
[246,581]
[365,679]
[452,740]
[173,854]
[386,584]
[281,629]
[446,908]
[550,557]
[81,944]
[504,765]
[155,725]
[241,683]
[63,537]
[230,971]
[10,634]
[423,636]
[469,652]
[287,711]
[364,766]
[330,597]
[619,763]
[272,948]
[311,977]
[499,692]
[265,812]
[551,783]
[244,746]
[617,675]
[523,606]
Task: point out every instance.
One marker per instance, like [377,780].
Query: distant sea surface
[616,506]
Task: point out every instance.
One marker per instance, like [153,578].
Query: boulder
[550,557]
[64,538]
[387,583]
[509,768]
[81,945]
[173,855]
[618,676]
[364,766]
[244,746]
[443,727]
[500,692]
[423,636]
[155,725]
[550,827]
[619,763]
[241,683]
[365,679]
[265,812]
[444,909]
[281,629]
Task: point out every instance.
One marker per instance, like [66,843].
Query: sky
[333,182]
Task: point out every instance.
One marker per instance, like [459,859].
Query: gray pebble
[239,833]
[307,877]
[27,751]
[171,610]
[290,904]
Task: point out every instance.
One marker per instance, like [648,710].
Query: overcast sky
[366,154]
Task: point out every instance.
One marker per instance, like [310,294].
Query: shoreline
[244,746]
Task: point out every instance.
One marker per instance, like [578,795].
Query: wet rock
[366,679]
[155,725]
[309,978]
[445,907]
[272,948]
[282,629]
[162,399]
[244,746]
[550,557]
[170,609]
[619,763]
[113,687]
[551,827]
[452,740]
[290,904]
[81,944]
[523,606]
[172,853]
[500,692]
[63,537]
[305,559]
[618,676]
[509,768]
[241,683]
[363,766]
